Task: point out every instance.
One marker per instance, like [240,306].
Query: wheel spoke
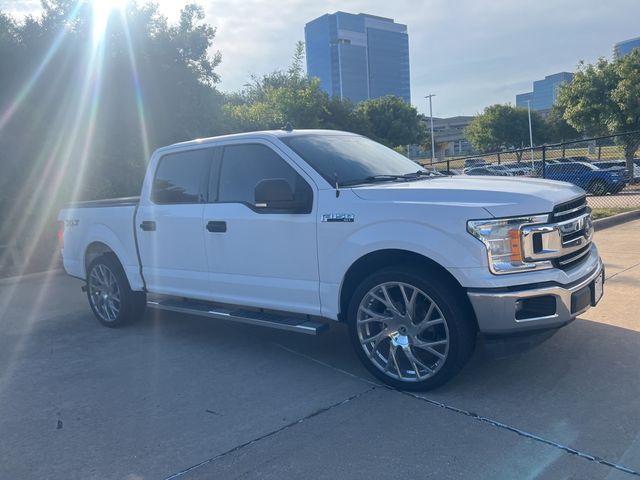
[409,302]
[391,356]
[388,300]
[373,316]
[376,338]
[428,346]
[422,326]
[415,362]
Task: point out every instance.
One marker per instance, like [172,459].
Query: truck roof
[256,134]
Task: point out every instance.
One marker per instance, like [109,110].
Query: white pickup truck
[296,229]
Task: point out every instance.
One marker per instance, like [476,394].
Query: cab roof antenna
[287,127]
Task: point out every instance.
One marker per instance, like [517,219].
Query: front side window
[179,177]
[244,166]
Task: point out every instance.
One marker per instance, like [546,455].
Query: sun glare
[102,11]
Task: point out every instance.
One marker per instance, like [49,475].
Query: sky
[469,53]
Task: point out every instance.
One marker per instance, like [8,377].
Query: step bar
[263,319]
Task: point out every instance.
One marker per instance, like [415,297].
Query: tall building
[544,92]
[357,57]
[620,49]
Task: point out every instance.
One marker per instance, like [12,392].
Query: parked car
[474,162]
[496,170]
[297,230]
[578,158]
[609,164]
[520,169]
[453,171]
[588,177]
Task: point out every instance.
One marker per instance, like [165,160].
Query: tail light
[61,234]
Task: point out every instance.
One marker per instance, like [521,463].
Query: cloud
[470,53]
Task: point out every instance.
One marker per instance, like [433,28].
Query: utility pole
[530,131]
[433,144]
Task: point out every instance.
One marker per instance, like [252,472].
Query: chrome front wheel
[412,328]
[402,331]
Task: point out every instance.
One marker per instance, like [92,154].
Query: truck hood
[500,196]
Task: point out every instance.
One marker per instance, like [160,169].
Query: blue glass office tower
[621,49]
[357,57]
[544,92]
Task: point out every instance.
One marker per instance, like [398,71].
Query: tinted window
[244,166]
[179,177]
[349,157]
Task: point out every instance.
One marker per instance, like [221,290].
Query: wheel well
[379,259]
[95,250]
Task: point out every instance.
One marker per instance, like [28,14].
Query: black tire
[131,304]
[599,187]
[452,304]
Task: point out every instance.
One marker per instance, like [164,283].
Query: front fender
[447,245]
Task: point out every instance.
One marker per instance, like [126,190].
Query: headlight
[503,239]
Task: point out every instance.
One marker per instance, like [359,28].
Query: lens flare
[102,12]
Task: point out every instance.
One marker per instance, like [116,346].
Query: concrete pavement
[181,397]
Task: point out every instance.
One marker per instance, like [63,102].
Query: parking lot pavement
[183,397]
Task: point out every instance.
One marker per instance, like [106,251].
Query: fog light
[535,307]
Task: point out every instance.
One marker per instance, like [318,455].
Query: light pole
[530,131]
[433,144]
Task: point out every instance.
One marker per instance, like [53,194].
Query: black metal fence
[597,165]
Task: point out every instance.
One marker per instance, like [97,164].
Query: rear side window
[244,166]
[181,177]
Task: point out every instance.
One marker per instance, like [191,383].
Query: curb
[614,220]
[30,276]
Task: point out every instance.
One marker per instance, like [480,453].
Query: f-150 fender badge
[338,217]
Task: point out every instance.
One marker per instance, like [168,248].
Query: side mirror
[276,194]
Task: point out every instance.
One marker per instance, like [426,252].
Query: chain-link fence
[597,165]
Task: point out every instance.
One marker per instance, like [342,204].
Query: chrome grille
[563,242]
[579,235]
[568,210]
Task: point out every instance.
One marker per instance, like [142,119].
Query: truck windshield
[352,159]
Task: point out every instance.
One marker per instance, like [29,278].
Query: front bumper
[534,307]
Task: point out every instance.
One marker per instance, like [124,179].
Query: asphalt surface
[190,398]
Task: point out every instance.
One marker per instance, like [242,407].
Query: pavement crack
[522,433]
[623,271]
[475,416]
[271,433]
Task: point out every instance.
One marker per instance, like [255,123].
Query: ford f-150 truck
[299,229]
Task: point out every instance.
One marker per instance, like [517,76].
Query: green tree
[278,98]
[603,98]
[558,130]
[79,113]
[389,120]
[504,126]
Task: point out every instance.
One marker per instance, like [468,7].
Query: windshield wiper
[371,179]
[418,174]
[386,178]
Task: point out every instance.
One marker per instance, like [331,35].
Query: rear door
[256,257]
[169,225]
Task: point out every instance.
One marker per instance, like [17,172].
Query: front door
[257,257]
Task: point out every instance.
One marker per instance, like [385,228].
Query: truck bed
[107,202]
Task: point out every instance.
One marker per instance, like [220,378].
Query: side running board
[282,322]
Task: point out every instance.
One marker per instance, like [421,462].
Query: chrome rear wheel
[104,292]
